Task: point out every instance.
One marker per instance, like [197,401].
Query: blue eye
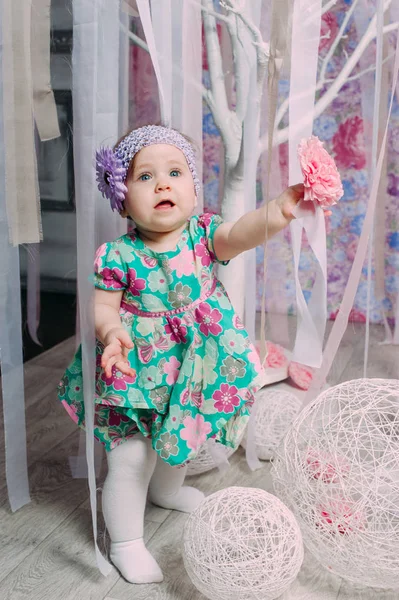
[144,177]
[175,173]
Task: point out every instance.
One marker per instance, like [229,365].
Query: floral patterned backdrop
[341,128]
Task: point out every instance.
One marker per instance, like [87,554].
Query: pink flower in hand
[195,431]
[321,178]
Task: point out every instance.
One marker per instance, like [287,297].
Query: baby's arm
[250,230]
[110,332]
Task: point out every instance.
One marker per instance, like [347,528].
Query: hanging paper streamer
[33,291]
[12,379]
[44,106]
[312,317]
[161,25]
[22,194]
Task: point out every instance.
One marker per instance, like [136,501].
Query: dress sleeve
[110,270]
[210,222]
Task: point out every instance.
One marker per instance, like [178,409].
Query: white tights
[133,469]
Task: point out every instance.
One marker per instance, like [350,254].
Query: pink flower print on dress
[321,178]
[118,379]
[135,283]
[183,262]
[71,410]
[115,418]
[147,348]
[205,219]
[201,250]
[184,396]
[101,252]
[176,330]
[208,319]
[238,324]
[172,370]
[226,398]
[112,278]
[253,357]
[195,431]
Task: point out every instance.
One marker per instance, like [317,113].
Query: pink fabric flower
[301,375]
[348,144]
[172,370]
[208,319]
[226,398]
[176,330]
[202,251]
[195,431]
[321,178]
[136,284]
[183,262]
[275,356]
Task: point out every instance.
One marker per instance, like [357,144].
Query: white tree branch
[281,135]
[337,39]
[206,94]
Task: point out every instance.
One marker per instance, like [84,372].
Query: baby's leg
[130,466]
[167,490]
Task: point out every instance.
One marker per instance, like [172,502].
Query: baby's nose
[163,185]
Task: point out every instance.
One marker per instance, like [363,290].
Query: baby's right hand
[117,344]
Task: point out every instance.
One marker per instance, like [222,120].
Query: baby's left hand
[288,200]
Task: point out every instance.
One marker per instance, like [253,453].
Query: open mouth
[164,204]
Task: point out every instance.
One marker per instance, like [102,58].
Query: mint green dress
[196,370]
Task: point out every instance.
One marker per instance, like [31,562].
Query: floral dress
[196,371]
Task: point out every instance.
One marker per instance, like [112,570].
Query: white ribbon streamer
[85,82]
[145,16]
[341,321]
[304,55]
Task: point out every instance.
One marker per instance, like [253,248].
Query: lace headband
[112,165]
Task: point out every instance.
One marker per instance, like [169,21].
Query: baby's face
[161,195]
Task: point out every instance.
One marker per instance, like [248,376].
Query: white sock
[134,562]
[167,490]
[130,466]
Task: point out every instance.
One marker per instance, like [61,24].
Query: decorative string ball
[242,544]
[275,411]
[338,471]
[204,461]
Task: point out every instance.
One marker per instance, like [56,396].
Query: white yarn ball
[338,471]
[204,460]
[276,409]
[242,544]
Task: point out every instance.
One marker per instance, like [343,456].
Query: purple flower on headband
[110,177]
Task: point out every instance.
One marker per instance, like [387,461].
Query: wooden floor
[46,546]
